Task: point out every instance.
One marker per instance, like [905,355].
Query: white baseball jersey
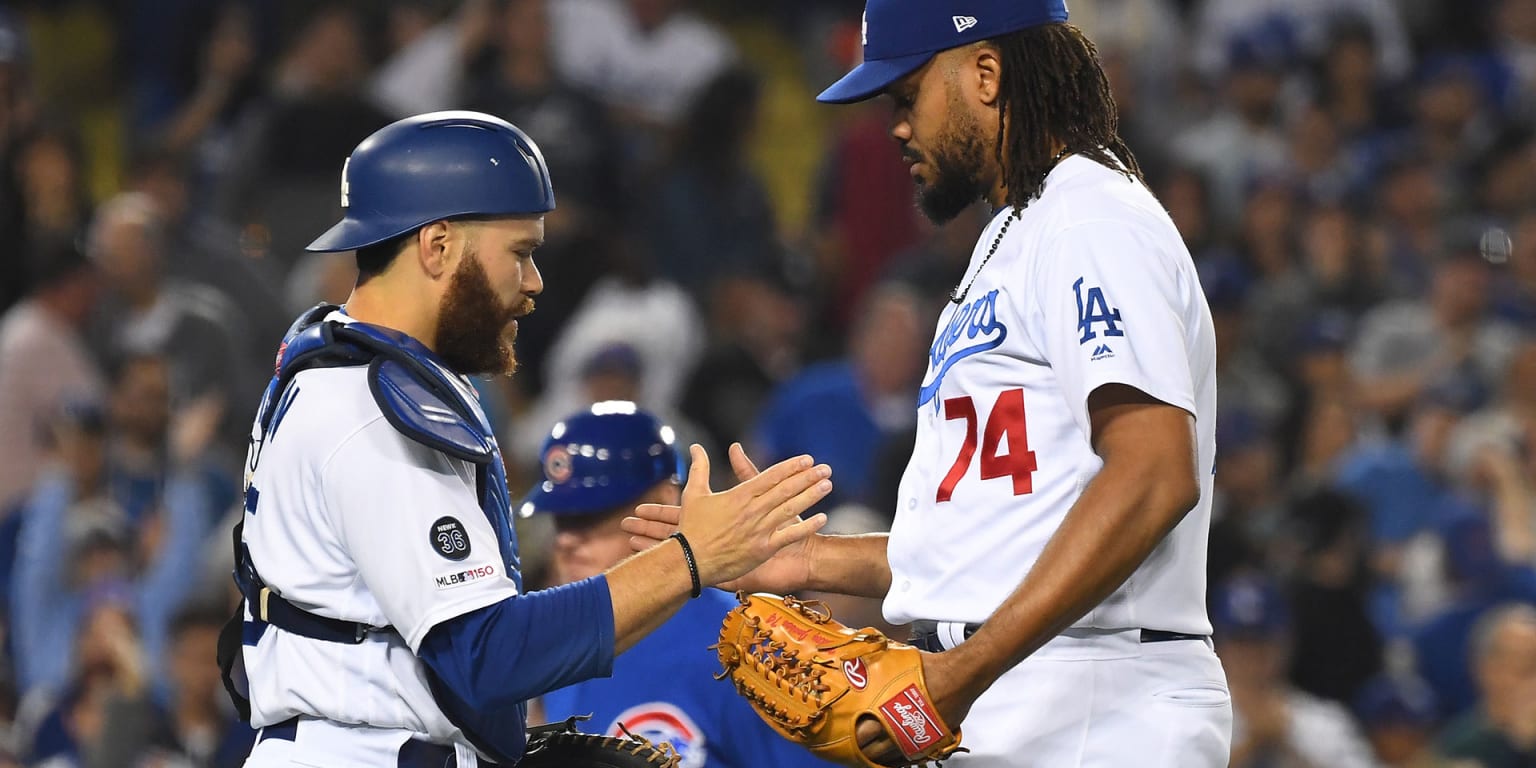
[1091,286]
[355,521]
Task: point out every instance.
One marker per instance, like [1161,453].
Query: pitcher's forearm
[851,565]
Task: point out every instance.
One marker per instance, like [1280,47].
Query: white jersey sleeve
[1114,302]
[409,517]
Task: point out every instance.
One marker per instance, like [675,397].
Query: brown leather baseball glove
[813,679]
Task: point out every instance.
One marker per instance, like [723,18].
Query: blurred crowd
[1356,180]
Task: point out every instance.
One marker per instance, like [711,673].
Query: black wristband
[693,565]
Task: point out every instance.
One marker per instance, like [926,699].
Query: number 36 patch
[449,538]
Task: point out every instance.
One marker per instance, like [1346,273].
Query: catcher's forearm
[646,590]
[850,565]
[1144,489]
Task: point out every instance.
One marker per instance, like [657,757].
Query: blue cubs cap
[601,458]
[436,166]
[902,35]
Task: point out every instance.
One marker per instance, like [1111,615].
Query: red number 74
[1005,420]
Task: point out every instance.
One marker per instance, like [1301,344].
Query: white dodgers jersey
[1092,285]
[355,521]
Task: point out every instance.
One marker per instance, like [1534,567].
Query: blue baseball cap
[902,35]
[604,457]
[1249,605]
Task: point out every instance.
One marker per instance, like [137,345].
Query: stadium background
[1356,180]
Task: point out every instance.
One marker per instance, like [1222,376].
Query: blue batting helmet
[601,458]
[435,166]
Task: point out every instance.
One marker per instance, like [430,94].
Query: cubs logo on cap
[902,35]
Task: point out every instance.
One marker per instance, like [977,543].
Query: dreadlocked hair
[1054,88]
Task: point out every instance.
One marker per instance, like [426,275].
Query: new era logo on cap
[901,35]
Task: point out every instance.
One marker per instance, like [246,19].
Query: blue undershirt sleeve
[486,663]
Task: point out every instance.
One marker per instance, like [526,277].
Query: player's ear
[432,249]
[986,73]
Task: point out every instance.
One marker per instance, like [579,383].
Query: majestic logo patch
[858,677]
[661,722]
[978,323]
[557,465]
[1092,308]
[460,578]
[962,23]
[449,538]
[1102,351]
[912,719]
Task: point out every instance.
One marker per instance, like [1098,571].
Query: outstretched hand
[787,570]
[736,530]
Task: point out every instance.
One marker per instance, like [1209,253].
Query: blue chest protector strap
[419,399]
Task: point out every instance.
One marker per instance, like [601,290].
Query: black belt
[413,754]
[925,635]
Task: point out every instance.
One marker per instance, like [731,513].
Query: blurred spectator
[77,539]
[1445,341]
[1247,382]
[194,67]
[1410,205]
[194,327]
[44,364]
[1398,713]
[431,50]
[202,249]
[1274,724]
[1453,126]
[195,729]
[627,306]
[1513,27]
[1306,22]
[1322,167]
[1242,141]
[1144,31]
[519,82]
[283,184]
[842,411]
[1333,275]
[1480,580]
[1248,507]
[1351,88]
[645,58]
[47,178]
[1187,195]
[756,324]
[1335,648]
[1407,494]
[1514,294]
[1317,369]
[709,213]
[1501,732]
[110,662]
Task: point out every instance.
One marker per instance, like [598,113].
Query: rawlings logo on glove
[812,679]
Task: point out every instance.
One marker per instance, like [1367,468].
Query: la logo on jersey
[1092,308]
[661,722]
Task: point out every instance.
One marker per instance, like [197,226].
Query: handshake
[753,529]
